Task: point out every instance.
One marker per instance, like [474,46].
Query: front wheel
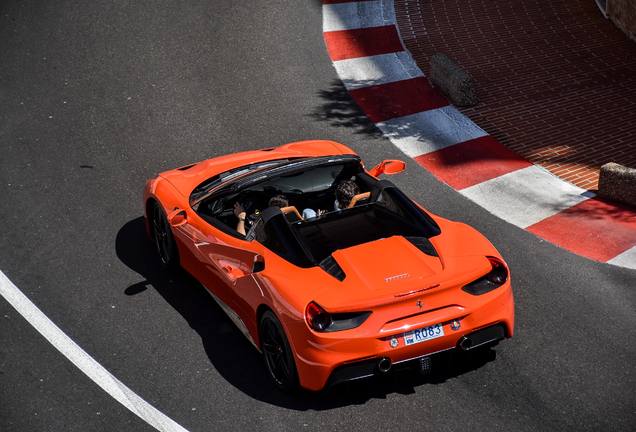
[277,353]
[166,245]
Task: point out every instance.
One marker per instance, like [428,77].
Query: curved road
[99,96]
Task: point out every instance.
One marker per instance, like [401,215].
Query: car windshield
[229,175]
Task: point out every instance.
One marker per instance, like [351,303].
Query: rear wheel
[166,245]
[277,353]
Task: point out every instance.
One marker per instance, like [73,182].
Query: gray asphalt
[97,97]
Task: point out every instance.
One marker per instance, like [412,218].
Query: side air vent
[331,266]
[423,244]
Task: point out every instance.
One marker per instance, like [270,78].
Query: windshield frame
[244,177]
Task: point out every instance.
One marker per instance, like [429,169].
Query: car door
[249,290]
[212,256]
[226,266]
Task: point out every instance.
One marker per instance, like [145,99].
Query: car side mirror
[178,217]
[388,167]
[259,264]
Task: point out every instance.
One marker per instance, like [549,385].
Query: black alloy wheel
[166,245]
[278,356]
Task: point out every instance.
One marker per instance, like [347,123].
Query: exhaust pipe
[465,343]
[488,335]
[385,364]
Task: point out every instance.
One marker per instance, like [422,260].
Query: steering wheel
[253,202]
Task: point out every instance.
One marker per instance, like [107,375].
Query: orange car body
[386,292]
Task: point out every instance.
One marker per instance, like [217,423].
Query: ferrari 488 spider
[328,293]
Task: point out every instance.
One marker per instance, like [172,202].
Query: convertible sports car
[340,295]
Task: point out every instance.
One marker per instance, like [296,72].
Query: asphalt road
[96,97]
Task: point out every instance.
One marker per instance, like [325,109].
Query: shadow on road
[238,362]
[339,109]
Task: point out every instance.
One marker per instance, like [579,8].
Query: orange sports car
[341,276]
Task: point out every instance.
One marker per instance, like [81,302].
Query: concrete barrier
[452,81]
[618,183]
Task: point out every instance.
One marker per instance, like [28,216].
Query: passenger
[239,210]
[310,214]
[345,192]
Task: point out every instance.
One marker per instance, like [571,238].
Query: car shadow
[236,359]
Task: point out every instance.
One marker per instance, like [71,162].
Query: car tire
[164,239]
[277,353]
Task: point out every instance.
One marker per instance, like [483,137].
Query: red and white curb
[363,41]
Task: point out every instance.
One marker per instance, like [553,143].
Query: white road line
[85,362]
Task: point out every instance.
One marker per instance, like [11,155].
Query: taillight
[317,318]
[499,272]
[496,277]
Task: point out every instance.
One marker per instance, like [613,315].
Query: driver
[239,210]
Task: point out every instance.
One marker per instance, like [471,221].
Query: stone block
[452,81]
[623,14]
[618,183]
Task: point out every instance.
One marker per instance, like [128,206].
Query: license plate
[423,334]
